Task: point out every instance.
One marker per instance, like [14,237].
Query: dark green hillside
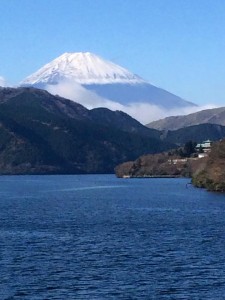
[197,133]
[23,151]
[41,133]
[120,120]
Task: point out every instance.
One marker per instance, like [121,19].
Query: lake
[100,237]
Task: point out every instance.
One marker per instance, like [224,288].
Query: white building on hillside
[204,148]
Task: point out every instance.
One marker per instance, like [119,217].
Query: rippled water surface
[99,237]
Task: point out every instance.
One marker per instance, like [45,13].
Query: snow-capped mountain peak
[83,68]
[95,82]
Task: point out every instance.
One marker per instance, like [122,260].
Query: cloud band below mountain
[143,112]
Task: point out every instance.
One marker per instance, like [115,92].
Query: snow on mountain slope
[83,68]
[94,82]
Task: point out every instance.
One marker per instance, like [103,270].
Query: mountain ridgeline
[41,133]
[45,134]
[207,116]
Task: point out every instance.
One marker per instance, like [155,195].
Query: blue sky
[178,45]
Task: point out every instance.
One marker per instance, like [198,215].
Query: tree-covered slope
[41,133]
[212,176]
[197,133]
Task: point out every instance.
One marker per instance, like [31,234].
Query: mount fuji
[92,81]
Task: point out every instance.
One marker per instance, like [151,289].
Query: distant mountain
[196,133]
[83,68]
[103,78]
[212,116]
[41,133]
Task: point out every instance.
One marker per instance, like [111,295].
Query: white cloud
[143,112]
[2,81]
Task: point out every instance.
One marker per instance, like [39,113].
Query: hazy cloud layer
[2,81]
[143,112]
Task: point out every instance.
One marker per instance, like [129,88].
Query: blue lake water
[99,237]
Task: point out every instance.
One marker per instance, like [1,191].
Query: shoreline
[153,176]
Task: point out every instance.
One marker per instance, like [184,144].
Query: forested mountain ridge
[41,133]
